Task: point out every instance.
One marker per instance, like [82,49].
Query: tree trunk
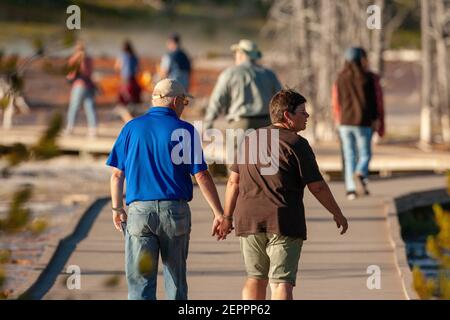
[303,57]
[324,80]
[378,44]
[425,118]
[442,71]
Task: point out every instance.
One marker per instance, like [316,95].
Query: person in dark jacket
[176,64]
[358,112]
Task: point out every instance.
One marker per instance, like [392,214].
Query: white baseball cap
[169,88]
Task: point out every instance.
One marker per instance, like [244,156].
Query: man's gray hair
[163,101]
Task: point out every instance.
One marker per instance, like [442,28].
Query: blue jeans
[78,95]
[155,227]
[356,146]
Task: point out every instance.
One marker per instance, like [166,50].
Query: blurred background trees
[308,38]
[436,71]
[315,35]
[438,247]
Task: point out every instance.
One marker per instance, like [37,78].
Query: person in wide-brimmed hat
[243,91]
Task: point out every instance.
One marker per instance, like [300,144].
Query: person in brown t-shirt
[265,194]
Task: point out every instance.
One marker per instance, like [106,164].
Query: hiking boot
[351,195]
[361,184]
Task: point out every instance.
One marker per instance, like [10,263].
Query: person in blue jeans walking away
[358,111]
[156,154]
[83,89]
[176,64]
[130,92]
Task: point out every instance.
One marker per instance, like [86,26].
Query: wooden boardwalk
[331,267]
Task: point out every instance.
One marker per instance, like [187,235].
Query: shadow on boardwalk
[331,266]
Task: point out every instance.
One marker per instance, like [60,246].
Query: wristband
[117,209]
[228,217]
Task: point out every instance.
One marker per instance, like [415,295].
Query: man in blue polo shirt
[156,154]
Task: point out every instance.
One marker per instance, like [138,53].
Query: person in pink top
[83,89]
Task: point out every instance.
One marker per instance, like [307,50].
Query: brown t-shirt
[274,202]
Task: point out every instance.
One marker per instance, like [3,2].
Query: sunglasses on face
[185,100]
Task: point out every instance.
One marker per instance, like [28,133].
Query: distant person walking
[130,91]
[269,209]
[243,92]
[358,111]
[83,89]
[176,64]
[157,168]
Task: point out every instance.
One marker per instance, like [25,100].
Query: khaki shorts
[271,256]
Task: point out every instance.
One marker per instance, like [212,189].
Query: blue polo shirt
[158,153]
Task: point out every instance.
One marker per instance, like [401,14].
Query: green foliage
[46,148]
[418,222]
[56,42]
[10,64]
[16,82]
[38,226]
[69,38]
[38,45]
[10,68]
[53,129]
[18,153]
[406,39]
[4,101]
[5,256]
[18,216]
[123,14]
[438,247]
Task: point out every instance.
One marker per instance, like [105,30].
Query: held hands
[341,221]
[222,226]
[225,228]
